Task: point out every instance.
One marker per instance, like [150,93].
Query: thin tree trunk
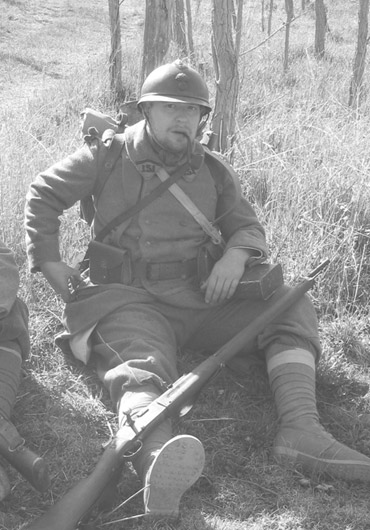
[190,30]
[320,28]
[115,59]
[156,35]
[269,22]
[289,16]
[225,60]
[178,27]
[238,28]
[360,56]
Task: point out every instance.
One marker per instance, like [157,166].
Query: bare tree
[320,28]
[190,29]
[289,17]
[225,50]
[269,21]
[115,59]
[360,55]
[178,27]
[157,35]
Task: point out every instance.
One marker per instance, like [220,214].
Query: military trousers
[138,342]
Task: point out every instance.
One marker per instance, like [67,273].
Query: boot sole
[175,469]
[350,470]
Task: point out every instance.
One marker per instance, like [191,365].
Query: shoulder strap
[109,161]
[119,219]
[189,205]
[106,162]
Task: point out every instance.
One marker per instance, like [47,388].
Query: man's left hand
[221,284]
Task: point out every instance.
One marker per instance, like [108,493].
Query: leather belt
[170,270]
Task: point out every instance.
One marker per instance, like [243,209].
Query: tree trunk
[269,22]
[156,35]
[115,59]
[320,28]
[178,27]
[190,31]
[225,59]
[289,16]
[360,56]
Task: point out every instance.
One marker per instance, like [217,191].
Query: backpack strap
[106,166]
[113,145]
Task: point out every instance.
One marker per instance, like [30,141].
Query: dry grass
[304,162]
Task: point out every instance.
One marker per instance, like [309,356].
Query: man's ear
[202,123]
[145,109]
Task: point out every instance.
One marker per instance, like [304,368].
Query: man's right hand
[57,274]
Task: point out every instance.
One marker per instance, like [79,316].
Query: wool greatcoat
[13,311]
[133,331]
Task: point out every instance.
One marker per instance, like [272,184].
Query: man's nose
[181,114]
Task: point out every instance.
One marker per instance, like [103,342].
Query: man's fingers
[232,289]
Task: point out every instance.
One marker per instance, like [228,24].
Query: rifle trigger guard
[134,451]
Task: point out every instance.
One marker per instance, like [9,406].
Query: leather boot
[301,440]
[30,465]
[167,466]
[12,445]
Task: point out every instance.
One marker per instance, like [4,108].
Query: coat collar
[146,159]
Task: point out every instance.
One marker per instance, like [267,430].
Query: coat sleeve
[52,192]
[9,280]
[237,219]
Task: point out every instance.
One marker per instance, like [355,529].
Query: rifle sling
[161,188]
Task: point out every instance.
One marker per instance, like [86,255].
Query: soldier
[14,347]
[134,312]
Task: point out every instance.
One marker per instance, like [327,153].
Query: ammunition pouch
[108,264]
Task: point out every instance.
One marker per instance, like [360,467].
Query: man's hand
[221,284]
[57,274]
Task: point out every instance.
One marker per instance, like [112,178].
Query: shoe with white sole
[175,468]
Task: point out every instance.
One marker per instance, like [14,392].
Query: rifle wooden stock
[66,513]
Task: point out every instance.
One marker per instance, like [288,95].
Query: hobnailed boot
[167,465]
[301,440]
[12,445]
[29,464]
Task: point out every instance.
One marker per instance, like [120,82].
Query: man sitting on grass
[142,298]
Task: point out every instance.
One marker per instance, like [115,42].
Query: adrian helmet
[175,82]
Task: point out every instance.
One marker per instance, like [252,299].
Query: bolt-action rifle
[68,512]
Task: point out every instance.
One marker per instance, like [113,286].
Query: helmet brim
[173,99]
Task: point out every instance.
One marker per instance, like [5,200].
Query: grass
[303,160]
